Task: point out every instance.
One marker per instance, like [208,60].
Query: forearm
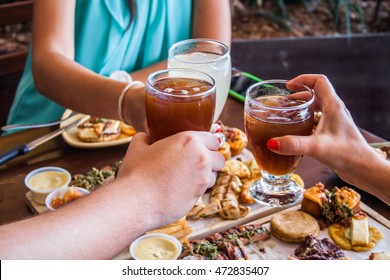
[371,174]
[212,19]
[85,229]
[75,87]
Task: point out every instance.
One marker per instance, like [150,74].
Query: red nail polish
[273,144]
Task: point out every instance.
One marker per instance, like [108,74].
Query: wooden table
[57,153]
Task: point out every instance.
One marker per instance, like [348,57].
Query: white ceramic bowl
[61,192]
[168,237]
[39,195]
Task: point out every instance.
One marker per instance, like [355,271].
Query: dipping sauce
[48,180]
[70,195]
[155,248]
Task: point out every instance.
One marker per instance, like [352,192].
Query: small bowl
[61,193]
[170,241]
[39,194]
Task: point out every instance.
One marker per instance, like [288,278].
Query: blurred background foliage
[340,16]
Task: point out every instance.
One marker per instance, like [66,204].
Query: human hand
[336,142]
[172,173]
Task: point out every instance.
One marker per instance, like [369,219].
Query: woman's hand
[336,142]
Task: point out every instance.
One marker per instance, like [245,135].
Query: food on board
[227,245]
[318,249]
[293,226]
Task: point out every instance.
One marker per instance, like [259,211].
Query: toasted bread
[99,130]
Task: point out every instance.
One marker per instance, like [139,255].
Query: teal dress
[105,42]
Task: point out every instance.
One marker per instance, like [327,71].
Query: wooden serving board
[279,250]
[35,206]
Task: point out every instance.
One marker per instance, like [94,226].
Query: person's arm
[157,184]
[338,143]
[56,74]
[212,19]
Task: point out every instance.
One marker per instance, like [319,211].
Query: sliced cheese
[360,234]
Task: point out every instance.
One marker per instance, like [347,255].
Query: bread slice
[99,130]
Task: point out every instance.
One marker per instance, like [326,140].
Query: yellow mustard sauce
[48,180]
[155,248]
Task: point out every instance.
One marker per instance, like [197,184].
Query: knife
[25,148]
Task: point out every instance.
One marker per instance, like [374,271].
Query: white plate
[72,138]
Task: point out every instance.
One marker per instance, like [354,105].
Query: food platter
[73,140]
[271,249]
[275,249]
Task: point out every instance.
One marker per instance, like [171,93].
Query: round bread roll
[293,226]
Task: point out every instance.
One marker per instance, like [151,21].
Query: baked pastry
[225,150]
[293,226]
[235,137]
[236,167]
[335,206]
[313,200]
[99,130]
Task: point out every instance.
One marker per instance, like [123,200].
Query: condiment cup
[39,195]
[60,193]
[168,237]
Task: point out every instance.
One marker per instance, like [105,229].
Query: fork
[27,126]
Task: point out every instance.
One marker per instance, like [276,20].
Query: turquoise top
[104,42]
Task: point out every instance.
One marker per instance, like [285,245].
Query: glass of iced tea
[276,108]
[179,100]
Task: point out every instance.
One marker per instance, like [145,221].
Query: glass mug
[208,56]
[276,108]
[178,100]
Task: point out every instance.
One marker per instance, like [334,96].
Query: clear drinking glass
[276,108]
[177,100]
[208,56]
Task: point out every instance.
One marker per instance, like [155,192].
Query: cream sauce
[48,180]
[155,248]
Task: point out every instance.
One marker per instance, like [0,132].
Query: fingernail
[218,128]
[221,138]
[273,144]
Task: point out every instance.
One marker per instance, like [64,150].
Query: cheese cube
[360,234]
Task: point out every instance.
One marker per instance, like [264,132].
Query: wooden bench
[12,64]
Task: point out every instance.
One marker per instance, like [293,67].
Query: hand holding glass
[277,108]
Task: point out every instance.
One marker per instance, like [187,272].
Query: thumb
[290,145]
[139,141]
